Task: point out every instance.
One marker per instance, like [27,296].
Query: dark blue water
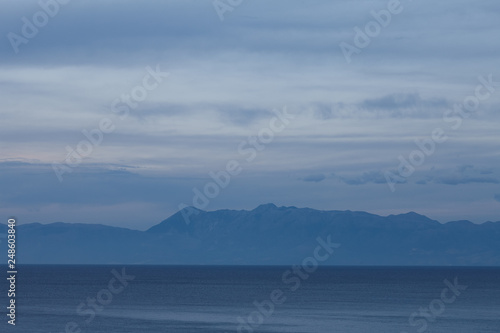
[211,299]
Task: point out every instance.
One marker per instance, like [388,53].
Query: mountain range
[266,235]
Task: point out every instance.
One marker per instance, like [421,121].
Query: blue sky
[352,120]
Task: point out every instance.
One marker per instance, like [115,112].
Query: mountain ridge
[293,207]
[266,235]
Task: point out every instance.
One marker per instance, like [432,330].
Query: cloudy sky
[360,94]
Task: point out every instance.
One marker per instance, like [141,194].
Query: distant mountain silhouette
[266,235]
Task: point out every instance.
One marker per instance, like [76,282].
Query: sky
[123,112]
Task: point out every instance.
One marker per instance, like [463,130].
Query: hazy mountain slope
[266,235]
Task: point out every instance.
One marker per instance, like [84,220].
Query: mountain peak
[265,207]
[412,213]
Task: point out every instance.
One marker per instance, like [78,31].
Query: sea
[178,299]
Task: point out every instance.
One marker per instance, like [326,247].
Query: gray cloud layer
[352,121]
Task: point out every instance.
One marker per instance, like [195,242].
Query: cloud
[406,105]
[457,180]
[460,175]
[314,178]
[225,80]
[375,177]
[395,105]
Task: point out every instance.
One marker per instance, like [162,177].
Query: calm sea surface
[231,299]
